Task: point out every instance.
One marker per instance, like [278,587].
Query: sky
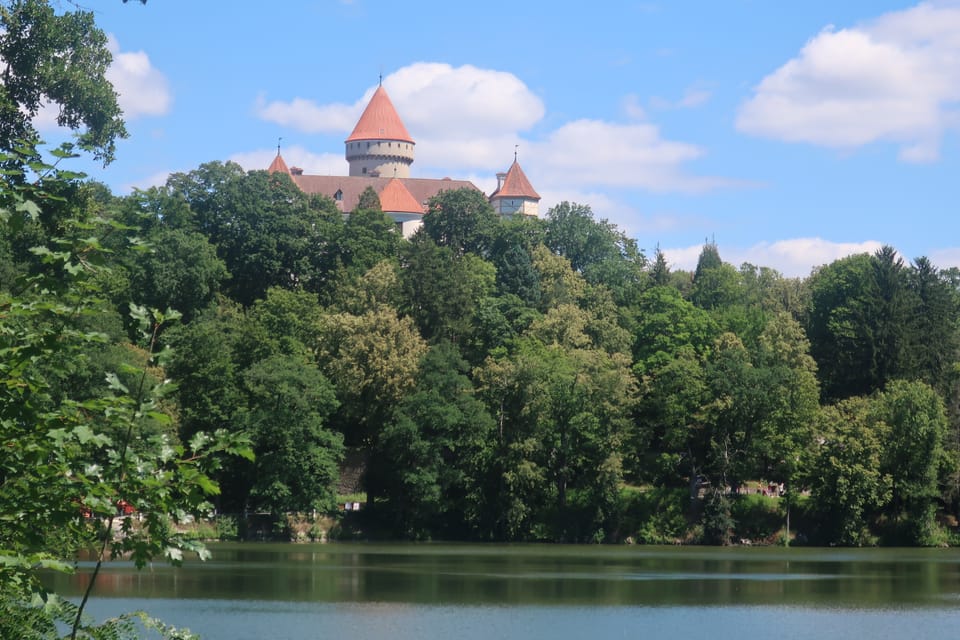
[790,134]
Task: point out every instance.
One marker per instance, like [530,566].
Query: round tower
[380,145]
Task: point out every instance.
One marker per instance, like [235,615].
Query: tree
[373,359]
[438,447]
[59,60]
[369,201]
[181,271]
[847,484]
[461,219]
[934,335]
[562,409]
[443,290]
[913,454]
[596,249]
[265,229]
[296,468]
[63,456]
[660,270]
[858,323]
[840,327]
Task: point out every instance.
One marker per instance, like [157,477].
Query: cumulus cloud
[142,89]
[891,79]
[796,257]
[322,164]
[153,180]
[307,116]
[594,152]
[945,258]
[46,117]
[467,119]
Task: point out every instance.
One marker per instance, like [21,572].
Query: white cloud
[469,120]
[892,79]
[793,258]
[945,258]
[306,116]
[154,180]
[442,101]
[46,118]
[323,164]
[438,103]
[142,89]
[597,153]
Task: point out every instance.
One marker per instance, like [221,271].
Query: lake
[426,591]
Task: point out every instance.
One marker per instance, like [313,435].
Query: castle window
[338,196]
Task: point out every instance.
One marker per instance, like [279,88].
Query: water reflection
[545,575]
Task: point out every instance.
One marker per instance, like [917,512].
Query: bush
[656,515]
[758,517]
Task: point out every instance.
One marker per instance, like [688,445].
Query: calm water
[257,591]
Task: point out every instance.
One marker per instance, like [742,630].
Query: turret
[380,145]
[515,195]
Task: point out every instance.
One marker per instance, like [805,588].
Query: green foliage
[913,453]
[297,455]
[718,522]
[462,220]
[847,483]
[444,290]
[71,464]
[758,517]
[266,231]
[657,515]
[180,271]
[61,59]
[438,448]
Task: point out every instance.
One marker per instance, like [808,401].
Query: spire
[515,183]
[380,121]
[278,164]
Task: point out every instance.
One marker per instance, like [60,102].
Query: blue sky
[790,133]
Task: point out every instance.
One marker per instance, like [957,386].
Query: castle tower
[278,165]
[515,195]
[380,145]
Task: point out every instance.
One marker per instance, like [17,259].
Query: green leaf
[113,382]
[30,208]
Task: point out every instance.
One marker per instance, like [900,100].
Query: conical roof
[278,165]
[396,198]
[516,185]
[380,121]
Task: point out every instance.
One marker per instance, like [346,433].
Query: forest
[535,379]
[227,346]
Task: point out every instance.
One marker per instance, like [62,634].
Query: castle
[379,152]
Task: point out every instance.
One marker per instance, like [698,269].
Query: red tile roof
[516,185]
[380,121]
[397,198]
[278,165]
[350,188]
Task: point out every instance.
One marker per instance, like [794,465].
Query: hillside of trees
[534,379]
[225,343]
